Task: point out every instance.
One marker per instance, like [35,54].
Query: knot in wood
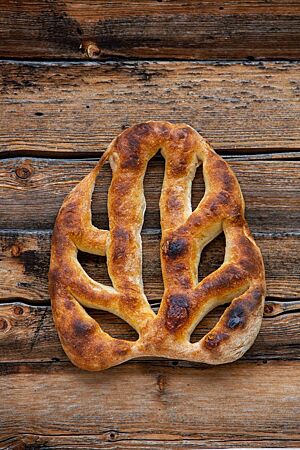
[24,172]
[3,324]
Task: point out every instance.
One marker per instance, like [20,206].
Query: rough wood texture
[27,333]
[148,406]
[26,183]
[75,109]
[269,188]
[63,108]
[24,264]
[150,28]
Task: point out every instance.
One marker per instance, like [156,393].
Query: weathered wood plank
[271,190]
[160,29]
[64,108]
[24,264]
[112,440]
[150,405]
[27,333]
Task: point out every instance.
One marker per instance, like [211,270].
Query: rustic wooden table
[231,70]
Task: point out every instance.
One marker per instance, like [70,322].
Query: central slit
[114,325]
[198,187]
[212,256]
[99,198]
[207,323]
[151,232]
[95,266]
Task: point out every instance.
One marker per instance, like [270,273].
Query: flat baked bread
[239,281]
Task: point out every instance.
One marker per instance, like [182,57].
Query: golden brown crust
[239,281]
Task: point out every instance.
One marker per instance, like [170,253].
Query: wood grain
[61,105]
[148,28]
[149,406]
[24,264]
[270,189]
[27,333]
[52,108]
[113,440]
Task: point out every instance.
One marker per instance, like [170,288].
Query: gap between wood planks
[241,154]
[254,61]
[274,306]
[25,261]
[27,333]
[100,441]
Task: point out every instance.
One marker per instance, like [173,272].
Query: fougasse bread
[239,281]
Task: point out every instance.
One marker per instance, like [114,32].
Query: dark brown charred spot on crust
[220,202]
[230,277]
[223,174]
[257,294]
[129,149]
[129,145]
[59,241]
[176,269]
[70,216]
[177,312]
[131,301]
[121,186]
[173,203]
[132,161]
[182,145]
[68,305]
[236,216]
[195,220]
[249,265]
[238,314]
[228,181]
[185,136]
[163,130]
[119,253]
[178,168]
[119,192]
[174,248]
[249,260]
[82,328]
[236,317]
[140,130]
[98,347]
[185,282]
[120,348]
[79,335]
[213,340]
[182,133]
[252,300]
[214,207]
[121,234]
[120,240]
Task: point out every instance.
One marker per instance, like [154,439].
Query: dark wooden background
[73,75]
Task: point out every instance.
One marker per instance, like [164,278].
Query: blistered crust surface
[239,281]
